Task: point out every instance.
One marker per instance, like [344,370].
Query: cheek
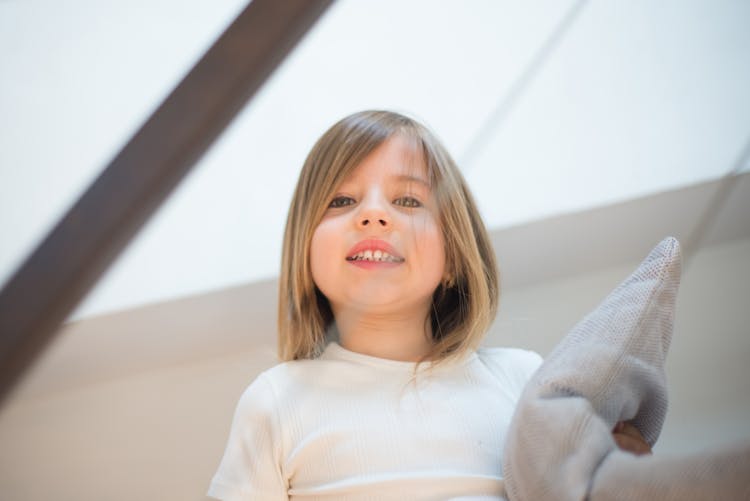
[431,252]
[321,247]
[438,257]
[315,256]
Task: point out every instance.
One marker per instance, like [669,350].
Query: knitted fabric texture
[610,368]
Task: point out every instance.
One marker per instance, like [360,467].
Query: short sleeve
[251,465]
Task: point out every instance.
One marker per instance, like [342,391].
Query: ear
[448,281]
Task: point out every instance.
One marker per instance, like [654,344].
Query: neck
[393,336]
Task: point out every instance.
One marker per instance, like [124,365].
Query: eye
[409,202]
[341,201]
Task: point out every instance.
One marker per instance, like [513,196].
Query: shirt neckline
[334,351]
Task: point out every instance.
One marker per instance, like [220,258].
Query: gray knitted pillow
[615,356]
[610,368]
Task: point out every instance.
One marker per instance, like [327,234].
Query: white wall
[159,433]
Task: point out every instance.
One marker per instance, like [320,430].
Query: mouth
[375,256]
[375,251]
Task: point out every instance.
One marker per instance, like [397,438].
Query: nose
[373,215]
[377,221]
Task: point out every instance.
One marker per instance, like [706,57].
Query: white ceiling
[549,108]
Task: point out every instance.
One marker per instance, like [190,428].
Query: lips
[375,251]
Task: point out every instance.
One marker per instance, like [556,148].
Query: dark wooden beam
[45,289]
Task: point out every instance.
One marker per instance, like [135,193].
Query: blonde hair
[463,307]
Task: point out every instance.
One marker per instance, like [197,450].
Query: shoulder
[270,395]
[287,381]
[512,365]
[258,400]
[264,400]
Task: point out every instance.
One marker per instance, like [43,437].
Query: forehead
[397,159]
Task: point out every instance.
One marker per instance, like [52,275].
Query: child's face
[379,247]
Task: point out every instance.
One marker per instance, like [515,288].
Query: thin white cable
[506,104]
[726,184]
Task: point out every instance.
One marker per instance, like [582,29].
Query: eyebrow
[406,178]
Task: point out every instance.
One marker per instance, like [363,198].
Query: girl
[388,284]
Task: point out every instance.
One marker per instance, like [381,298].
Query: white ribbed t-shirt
[348,426]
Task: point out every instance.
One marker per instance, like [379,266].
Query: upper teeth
[374,255]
